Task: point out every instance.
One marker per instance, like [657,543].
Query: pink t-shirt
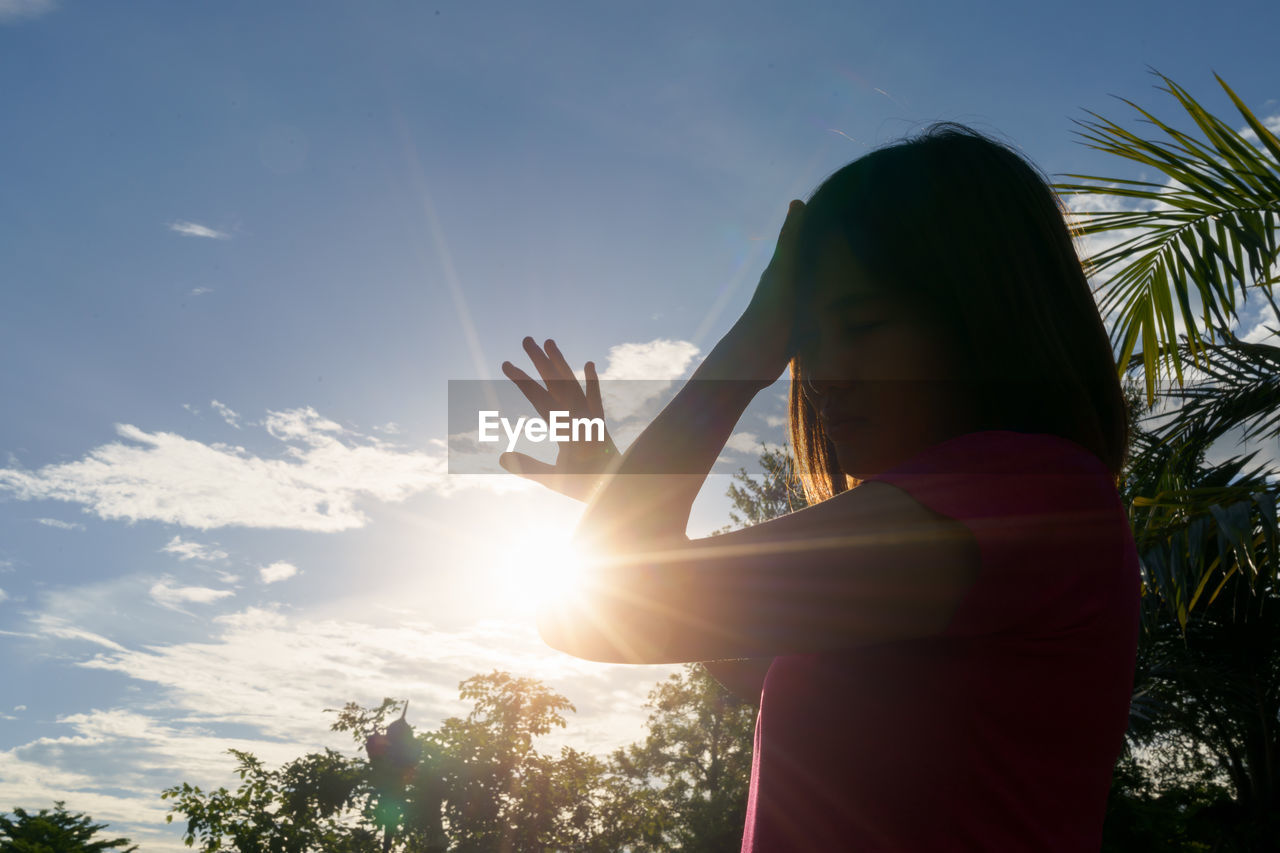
[998,735]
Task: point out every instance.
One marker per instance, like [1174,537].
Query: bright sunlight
[539,565]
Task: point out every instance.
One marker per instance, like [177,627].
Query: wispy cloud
[56,627]
[195,229]
[60,525]
[200,291]
[187,550]
[743,442]
[277,571]
[318,663]
[174,596]
[315,482]
[227,413]
[223,692]
[12,11]
[3,595]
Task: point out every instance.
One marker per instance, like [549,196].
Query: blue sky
[246,245]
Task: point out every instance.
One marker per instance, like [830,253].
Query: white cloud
[111,763]
[60,525]
[226,412]
[16,10]
[187,550]
[55,627]
[1260,332]
[638,376]
[3,595]
[743,442]
[304,424]
[166,477]
[318,663]
[194,229]
[1271,123]
[1257,318]
[277,571]
[657,359]
[173,596]
[223,692]
[200,291]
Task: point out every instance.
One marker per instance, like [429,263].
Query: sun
[539,565]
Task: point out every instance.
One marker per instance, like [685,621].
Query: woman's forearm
[649,497]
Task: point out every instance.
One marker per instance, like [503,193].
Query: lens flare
[538,567]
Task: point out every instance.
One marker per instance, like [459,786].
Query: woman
[944,654]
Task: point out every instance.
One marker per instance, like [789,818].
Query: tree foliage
[480,783]
[477,783]
[299,808]
[56,831]
[774,492]
[695,761]
[1205,716]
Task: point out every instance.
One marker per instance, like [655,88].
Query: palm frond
[1239,389]
[1208,235]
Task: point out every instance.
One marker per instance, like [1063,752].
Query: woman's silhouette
[943,644]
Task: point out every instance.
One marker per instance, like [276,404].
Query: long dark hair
[969,230]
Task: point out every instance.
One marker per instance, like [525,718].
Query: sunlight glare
[539,566]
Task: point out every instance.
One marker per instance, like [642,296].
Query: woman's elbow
[577,628]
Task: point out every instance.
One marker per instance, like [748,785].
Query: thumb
[524,465]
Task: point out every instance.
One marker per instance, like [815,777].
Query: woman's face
[883,377]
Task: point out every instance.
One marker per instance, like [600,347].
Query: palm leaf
[1208,235]
[1240,389]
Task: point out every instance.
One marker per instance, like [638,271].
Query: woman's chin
[854,460]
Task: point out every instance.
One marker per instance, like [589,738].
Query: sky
[245,247]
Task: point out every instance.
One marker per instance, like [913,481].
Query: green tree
[304,806]
[57,831]
[695,761]
[1208,236]
[475,784]
[503,794]
[774,492]
[1208,682]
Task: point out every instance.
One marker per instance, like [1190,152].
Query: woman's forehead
[839,276]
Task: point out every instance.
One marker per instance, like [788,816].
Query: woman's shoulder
[1000,452]
[1007,474]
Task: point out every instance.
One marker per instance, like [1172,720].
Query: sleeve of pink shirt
[1046,517]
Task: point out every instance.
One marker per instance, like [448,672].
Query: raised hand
[761,342]
[580,465]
